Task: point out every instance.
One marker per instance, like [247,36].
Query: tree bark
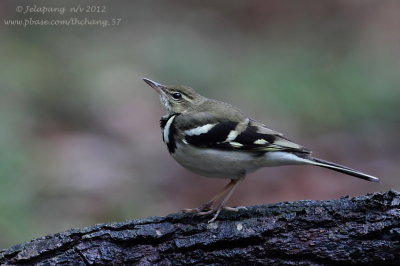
[361,230]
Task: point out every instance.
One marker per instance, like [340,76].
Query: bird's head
[176,99]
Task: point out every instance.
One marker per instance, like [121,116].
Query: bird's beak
[158,87]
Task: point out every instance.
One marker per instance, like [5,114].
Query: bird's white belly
[212,163]
[228,164]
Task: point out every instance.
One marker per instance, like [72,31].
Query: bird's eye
[177,96]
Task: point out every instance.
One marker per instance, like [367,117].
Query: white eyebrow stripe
[199,130]
[167,128]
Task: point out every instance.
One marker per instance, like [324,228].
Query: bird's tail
[342,169]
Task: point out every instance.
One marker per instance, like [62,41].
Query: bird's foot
[218,210]
[207,212]
[235,209]
[205,208]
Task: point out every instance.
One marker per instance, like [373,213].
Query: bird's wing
[208,130]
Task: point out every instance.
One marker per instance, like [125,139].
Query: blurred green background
[79,136]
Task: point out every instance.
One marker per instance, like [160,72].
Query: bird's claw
[205,208]
[235,209]
[203,213]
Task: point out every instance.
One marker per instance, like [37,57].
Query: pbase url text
[27,22]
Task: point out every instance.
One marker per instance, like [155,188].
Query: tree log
[364,230]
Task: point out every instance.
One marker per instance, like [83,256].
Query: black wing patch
[250,135]
[249,140]
[214,137]
[252,140]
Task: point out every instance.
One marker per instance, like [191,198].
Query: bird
[215,139]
